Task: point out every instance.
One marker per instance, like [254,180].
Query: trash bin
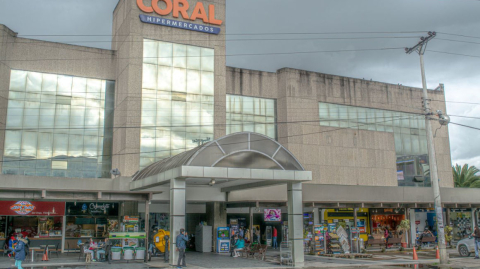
[140,253]
[116,253]
[128,253]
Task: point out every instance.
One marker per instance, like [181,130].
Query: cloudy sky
[316,25]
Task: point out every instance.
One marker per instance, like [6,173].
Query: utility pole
[420,49]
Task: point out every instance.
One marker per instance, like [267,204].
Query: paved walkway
[197,260]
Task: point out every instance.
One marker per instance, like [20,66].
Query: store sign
[129,219]
[31,208]
[180,8]
[91,209]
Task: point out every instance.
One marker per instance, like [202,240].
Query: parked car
[466,246]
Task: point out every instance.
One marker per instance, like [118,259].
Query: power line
[33,41]
[277,33]
[459,41]
[227,55]
[466,126]
[150,127]
[469,36]
[477,118]
[123,154]
[452,53]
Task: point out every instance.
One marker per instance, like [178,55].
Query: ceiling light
[212,182]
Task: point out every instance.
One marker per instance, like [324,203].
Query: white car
[466,246]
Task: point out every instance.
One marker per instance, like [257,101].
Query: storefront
[462,223]
[345,217]
[41,222]
[386,217]
[85,220]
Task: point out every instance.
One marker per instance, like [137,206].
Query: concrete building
[70,114]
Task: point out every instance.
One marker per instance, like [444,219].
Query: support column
[355,210]
[413,230]
[216,217]
[177,215]
[295,222]
[316,216]
[250,211]
[64,224]
[147,228]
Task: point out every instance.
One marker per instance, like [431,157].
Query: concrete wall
[129,32]
[344,157]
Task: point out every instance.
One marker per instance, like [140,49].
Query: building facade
[70,114]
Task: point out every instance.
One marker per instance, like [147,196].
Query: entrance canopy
[237,161]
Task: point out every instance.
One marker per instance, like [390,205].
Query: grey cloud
[459,74]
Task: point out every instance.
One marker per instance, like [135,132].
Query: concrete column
[316,216]
[413,230]
[216,217]
[355,210]
[295,222]
[177,214]
[147,228]
[64,224]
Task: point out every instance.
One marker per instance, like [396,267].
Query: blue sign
[180,24]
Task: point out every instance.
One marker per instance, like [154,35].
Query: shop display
[346,215]
[268,236]
[343,239]
[319,239]
[386,217]
[462,223]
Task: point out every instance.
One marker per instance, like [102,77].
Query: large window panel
[251,114]
[61,119]
[182,108]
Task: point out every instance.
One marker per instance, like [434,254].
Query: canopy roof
[239,150]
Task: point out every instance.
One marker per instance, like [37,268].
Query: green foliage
[466,177]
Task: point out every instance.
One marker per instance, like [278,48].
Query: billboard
[272,214]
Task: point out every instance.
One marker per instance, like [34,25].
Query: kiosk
[223,240]
[268,236]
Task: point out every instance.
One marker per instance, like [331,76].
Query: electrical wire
[34,41]
[226,55]
[266,139]
[466,126]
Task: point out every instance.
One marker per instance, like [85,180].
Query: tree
[465,177]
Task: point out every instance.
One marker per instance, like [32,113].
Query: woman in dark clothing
[20,251]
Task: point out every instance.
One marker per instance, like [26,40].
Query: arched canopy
[239,150]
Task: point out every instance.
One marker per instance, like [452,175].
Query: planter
[404,245]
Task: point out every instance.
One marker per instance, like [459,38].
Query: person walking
[181,243]
[274,235]
[20,251]
[476,235]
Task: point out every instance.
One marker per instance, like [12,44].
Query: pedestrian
[239,245]
[476,235]
[233,240]
[91,249]
[11,245]
[274,235]
[181,243]
[20,251]
[151,241]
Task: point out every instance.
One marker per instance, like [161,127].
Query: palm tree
[465,177]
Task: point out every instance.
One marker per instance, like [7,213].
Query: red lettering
[160,11]
[177,8]
[211,13]
[144,8]
[199,13]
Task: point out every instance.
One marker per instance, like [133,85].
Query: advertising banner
[91,209]
[31,208]
[272,214]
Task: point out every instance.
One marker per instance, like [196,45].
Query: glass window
[249,114]
[51,124]
[182,107]
[408,129]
